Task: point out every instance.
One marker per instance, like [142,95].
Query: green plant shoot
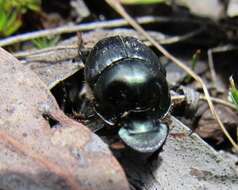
[195,58]
[233,94]
[46,42]
[11,12]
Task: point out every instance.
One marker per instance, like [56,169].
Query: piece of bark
[35,156]
[54,73]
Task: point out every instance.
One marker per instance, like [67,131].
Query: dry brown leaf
[209,129]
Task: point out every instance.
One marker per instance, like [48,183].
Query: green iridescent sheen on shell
[126,78]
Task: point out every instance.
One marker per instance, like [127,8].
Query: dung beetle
[129,90]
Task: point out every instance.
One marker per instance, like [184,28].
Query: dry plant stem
[184,37]
[224,48]
[215,100]
[212,69]
[118,7]
[70,29]
[85,27]
[34,52]
[169,40]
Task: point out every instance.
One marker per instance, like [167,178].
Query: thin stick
[85,27]
[115,4]
[212,69]
[169,40]
[215,100]
[39,51]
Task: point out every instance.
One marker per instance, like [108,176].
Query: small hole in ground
[66,93]
[70,97]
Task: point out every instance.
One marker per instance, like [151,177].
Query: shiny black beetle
[129,90]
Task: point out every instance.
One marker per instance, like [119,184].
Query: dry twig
[215,100]
[167,40]
[85,27]
[212,68]
[39,51]
[115,4]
